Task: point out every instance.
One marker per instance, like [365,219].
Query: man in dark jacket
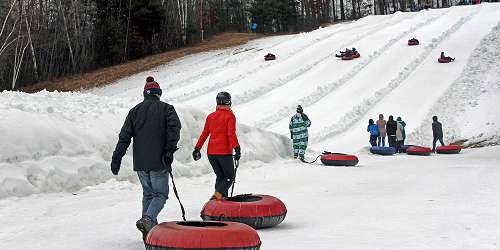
[391,128]
[155,127]
[437,133]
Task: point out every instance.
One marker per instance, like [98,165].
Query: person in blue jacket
[373,129]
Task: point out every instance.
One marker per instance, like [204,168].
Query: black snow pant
[399,144]
[434,140]
[223,166]
[392,141]
[373,140]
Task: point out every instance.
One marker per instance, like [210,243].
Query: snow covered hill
[340,96]
[62,142]
[70,132]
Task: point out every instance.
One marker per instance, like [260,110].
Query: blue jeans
[155,192]
[381,141]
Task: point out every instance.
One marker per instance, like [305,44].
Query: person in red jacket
[221,127]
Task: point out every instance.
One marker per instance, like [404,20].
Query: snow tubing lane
[417,150]
[202,235]
[443,60]
[255,210]
[450,149]
[337,159]
[383,150]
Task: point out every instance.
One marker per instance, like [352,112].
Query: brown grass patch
[110,74]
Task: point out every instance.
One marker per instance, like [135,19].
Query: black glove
[115,166]
[304,116]
[196,154]
[167,159]
[237,153]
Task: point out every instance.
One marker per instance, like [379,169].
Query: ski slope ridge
[259,72]
[358,110]
[339,96]
[324,90]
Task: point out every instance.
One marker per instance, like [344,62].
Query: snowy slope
[55,148]
[339,96]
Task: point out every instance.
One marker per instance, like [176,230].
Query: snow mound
[64,141]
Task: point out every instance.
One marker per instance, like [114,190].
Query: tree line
[47,39]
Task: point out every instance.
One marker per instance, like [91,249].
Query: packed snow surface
[55,148]
[400,202]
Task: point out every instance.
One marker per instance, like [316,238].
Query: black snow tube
[347,57]
[413,42]
[207,235]
[444,60]
[255,210]
[269,57]
[337,159]
[417,150]
[450,149]
[383,150]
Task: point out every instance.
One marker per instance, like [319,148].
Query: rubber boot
[145,224]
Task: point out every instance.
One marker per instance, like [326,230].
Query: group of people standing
[394,130]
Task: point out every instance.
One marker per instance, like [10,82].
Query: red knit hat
[152,87]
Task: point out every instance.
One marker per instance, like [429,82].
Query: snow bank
[64,141]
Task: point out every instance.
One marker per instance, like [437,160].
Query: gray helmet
[223,98]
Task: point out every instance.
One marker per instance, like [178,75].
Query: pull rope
[304,161]
[324,153]
[236,164]
[177,195]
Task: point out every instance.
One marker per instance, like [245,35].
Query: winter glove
[237,153]
[196,154]
[167,159]
[115,166]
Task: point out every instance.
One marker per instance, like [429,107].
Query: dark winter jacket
[155,127]
[373,129]
[391,127]
[437,130]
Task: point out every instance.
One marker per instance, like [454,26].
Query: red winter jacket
[221,126]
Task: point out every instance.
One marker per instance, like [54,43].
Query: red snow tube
[417,150]
[347,57]
[413,42]
[269,57]
[202,235]
[255,210]
[444,60]
[357,55]
[450,149]
[337,159]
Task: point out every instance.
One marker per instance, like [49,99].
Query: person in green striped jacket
[298,132]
